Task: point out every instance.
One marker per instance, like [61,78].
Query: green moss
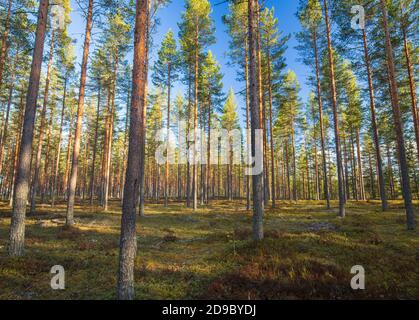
[307,253]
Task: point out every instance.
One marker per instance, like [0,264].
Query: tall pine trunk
[412,88]
[72,183]
[410,215]
[257,179]
[4,44]
[321,122]
[128,237]
[92,175]
[166,166]
[17,226]
[335,115]
[35,180]
[383,196]
[58,155]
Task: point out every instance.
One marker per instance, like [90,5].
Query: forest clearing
[209,149]
[307,253]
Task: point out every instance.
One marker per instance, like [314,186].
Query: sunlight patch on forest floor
[308,252]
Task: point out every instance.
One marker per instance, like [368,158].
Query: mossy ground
[308,252]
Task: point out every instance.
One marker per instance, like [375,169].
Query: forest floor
[308,252]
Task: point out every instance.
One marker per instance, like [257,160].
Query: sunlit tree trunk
[166,165]
[4,133]
[5,38]
[35,180]
[17,226]
[271,137]
[79,119]
[92,175]
[335,115]
[144,112]
[254,97]
[410,218]
[128,238]
[17,147]
[321,122]
[58,155]
[412,88]
[248,136]
[383,196]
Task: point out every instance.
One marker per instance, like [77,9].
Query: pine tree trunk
[383,196]
[294,164]
[92,176]
[410,218]
[35,180]
[110,137]
[3,135]
[4,44]
[80,109]
[335,116]
[166,166]
[58,155]
[17,148]
[17,227]
[271,137]
[254,91]
[143,126]
[316,162]
[208,171]
[360,169]
[248,136]
[45,178]
[128,238]
[195,128]
[68,156]
[322,132]
[412,88]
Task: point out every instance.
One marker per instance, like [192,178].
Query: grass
[307,252]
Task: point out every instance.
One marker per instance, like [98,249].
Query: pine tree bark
[166,165]
[412,88]
[80,109]
[128,238]
[271,136]
[58,155]
[143,125]
[4,133]
[248,136]
[17,226]
[321,122]
[257,179]
[92,175]
[35,180]
[17,148]
[341,190]
[5,38]
[410,215]
[195,128]
[383,196]
[360,169]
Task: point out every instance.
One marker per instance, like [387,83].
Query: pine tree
[196,33]
[165,73]
[128,238]
[17,227]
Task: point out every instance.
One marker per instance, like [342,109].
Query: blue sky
[170,16]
